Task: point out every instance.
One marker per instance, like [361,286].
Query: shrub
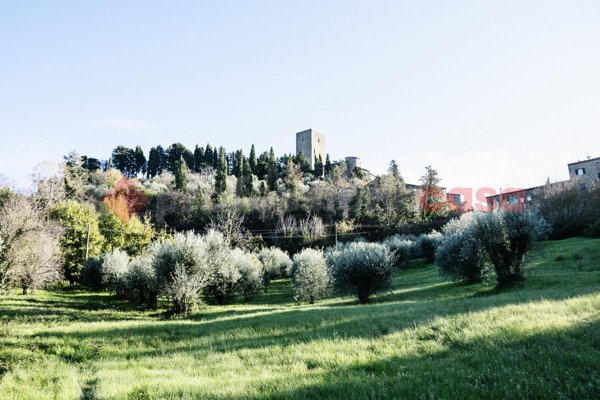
[251,273]
[458,256]
[276,263]
[362,268]
[140,284]
[506,237]
[91,273]
[427,245]
[114,265]
[222,274]
[404,247]
[310,275]
[103,272]
[571,207]
[181,268]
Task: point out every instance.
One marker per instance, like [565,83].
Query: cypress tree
[208,155]
[247,176]
[140,161]
[272,171]
[319,167]
[238,164]
[221,178]
[180,170]
[252,161]
[216,159]
[198,158]
[153,163]
[162,159]
[328,166]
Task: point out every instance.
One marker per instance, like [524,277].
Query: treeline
[187,188]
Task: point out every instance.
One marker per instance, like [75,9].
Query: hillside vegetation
[428,338]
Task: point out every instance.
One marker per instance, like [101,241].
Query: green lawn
[426,339]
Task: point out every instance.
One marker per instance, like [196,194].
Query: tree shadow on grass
[548,364]
[264,327]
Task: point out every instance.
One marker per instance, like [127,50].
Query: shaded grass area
[427,338]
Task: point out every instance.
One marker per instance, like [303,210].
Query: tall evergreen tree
[221,178]
[153,163]
[180,171]
[175,152]
[262,166]
[216,159]
[328,166]
[431,202]
[140,161]
[123,159]
[252,161]
[302,163]
[208,156]
[198,158]
[272,171]
[162,159]
[319,168]
[247,177]
[393,169]
[238,164]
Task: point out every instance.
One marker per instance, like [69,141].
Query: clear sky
[491,93]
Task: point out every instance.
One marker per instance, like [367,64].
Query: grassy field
[426,339]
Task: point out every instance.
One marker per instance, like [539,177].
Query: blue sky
[491,93]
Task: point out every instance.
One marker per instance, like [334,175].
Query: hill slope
[428,338]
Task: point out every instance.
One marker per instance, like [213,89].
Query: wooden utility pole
[87,242]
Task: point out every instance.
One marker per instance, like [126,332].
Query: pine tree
[124,160]
[252,161]
[221,178]
[272,171]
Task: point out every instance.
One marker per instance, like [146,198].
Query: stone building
[587,168]
[312,144]
[586,172]
[352,163]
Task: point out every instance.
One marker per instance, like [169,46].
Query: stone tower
[312,144]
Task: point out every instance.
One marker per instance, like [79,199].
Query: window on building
[580,171]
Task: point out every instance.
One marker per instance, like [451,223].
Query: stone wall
[589,168]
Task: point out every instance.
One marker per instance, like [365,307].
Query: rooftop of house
[585,161]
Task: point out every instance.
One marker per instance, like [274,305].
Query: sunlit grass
[427,338]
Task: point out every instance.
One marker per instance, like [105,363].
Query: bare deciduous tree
[29,246]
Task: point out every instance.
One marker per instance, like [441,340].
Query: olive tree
[506,237]
[362,268]
[310,275]
[251,273]
[459,256]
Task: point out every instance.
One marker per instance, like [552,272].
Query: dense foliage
[362,269]
[310,275]
[459,255]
